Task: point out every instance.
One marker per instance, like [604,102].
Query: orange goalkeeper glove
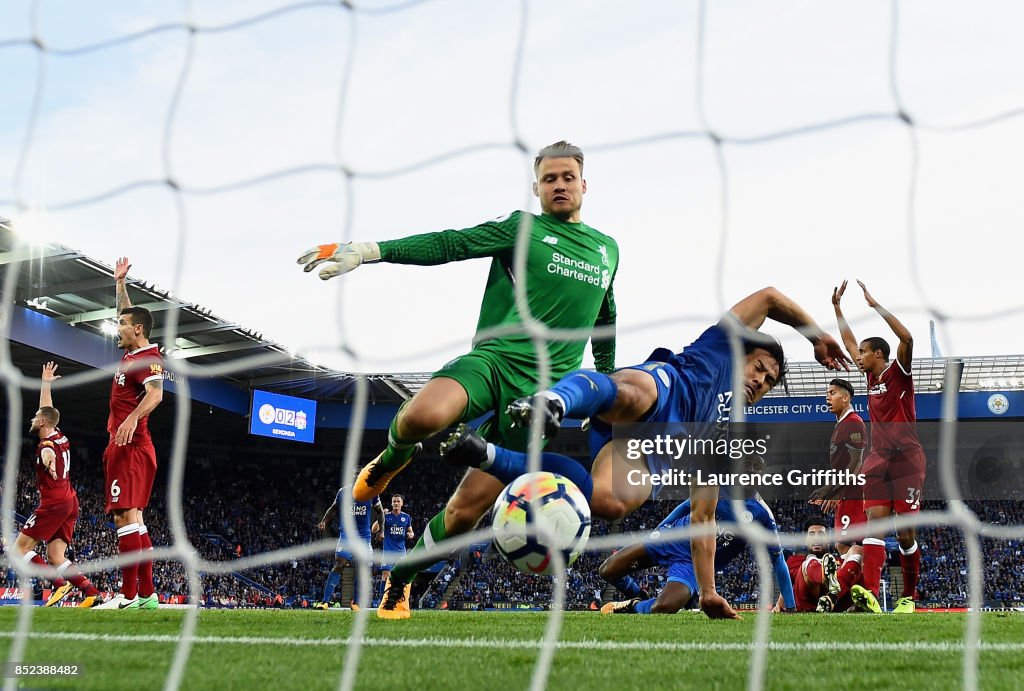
[340,258]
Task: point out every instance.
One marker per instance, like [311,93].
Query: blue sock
[628,586]
[644,606]
[585,393]
[332,582]
[508,465]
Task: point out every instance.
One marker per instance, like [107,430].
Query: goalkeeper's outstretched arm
[428,249]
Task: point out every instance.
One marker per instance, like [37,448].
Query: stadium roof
[984,373]
[66,285]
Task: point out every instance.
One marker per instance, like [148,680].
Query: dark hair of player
[50,414]
[774,349]
[878,343]
[396,494]
[140,315]
[562,149]
[754,464]
[813,521]
[844,385]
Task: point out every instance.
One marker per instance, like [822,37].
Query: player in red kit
[129,463]
[846,452]
[814,572]
[53,521]
[894,469]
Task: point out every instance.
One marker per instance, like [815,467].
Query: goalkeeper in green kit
[570,269]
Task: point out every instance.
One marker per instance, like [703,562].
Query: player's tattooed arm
[49,375]
[149,402]
[905,350]
[121,283]
[845,332]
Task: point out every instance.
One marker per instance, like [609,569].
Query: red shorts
[849,512]
[129,472]
[894,478]
[53,521]
[806,594]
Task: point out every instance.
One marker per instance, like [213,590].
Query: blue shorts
[672,389]
[677,558]
[392,559]
[340,551]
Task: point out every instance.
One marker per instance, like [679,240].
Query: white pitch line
[503,644]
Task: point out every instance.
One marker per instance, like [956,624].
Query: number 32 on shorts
[914,497]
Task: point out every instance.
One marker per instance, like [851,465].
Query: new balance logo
[550,239]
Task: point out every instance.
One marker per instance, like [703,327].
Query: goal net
[729,146]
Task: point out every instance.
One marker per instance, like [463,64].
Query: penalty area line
[519,644]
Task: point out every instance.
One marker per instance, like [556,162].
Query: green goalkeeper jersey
[570,270]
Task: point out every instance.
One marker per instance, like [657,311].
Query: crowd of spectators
[233,509]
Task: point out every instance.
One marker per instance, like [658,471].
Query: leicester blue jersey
[706,384]
[694,386]
[728,543]
[362,513]
[395,529]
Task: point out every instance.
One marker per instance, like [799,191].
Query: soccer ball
[550,503]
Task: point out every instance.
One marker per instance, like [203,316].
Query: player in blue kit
[363,513]
[693,388]
[681,588]
[397,529]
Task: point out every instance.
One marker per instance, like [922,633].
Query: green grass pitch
[456,650]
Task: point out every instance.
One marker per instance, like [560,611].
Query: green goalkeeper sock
[413,563]
[399,450]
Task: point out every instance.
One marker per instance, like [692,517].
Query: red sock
[911,564]
[77,579]
[128,542]
[849,573]
[146,567]
[813,571]
[874,562]
[39,561]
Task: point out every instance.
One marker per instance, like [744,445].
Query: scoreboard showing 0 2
[282,417]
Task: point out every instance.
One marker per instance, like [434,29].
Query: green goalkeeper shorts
[491,384]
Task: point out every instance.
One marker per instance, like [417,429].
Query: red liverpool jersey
[54,491]
[849,433]
[137,368]
[892,410]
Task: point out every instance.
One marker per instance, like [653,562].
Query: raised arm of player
[329,515]
[428,249]
[603,347]
[121,283]
[149,402]
[845,332]
[769,303]
[49,375]
[905,350]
